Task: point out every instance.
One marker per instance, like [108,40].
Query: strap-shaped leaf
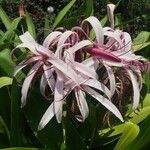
[5,19]
[30,25]
[62,13]
[4,81]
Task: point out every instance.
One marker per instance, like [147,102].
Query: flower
[64,68]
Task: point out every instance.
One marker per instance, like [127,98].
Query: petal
[49,76]
[98,85]
[136,89]
[78,46]
[91,62]
[82,104]
[64,68]
[43,84]
[58,98]
[108,104]
[110,12]
[48,115]
[112,80]
[85,70]
[63,38]
[50,38]
[97,29]
[25,63]
[27,82]
[28,42]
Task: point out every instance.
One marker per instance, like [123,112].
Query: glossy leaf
[20,148]
[143,138]
[89,8]
[130,132]
[141,41]
[6,63]
[63,12]
[4,81]
[5,19]
[30,25]
[16,131]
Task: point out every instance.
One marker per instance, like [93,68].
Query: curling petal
[105,102]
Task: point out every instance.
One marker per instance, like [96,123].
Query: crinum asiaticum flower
[63,74]
[113,48]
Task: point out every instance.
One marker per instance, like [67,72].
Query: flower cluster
[69,59]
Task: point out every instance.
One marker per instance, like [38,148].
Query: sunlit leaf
[63,12]
[5,19]
[20,148]
[6,62]
[141,41]
[130,132]
[16,129]
[89,8]
[30,25]
[5,81]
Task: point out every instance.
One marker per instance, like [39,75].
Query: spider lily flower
[116,50]
[45,59]
[87,80]
[87,83]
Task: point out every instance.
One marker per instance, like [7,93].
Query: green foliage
[62,13]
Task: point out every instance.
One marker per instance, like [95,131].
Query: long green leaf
[5,19]
[141,41]
[5,81]
[143,139]
[20,148]
[30,25]
[130,132]
[9,35]
[89,8]
[62,13]
[6,63]
[16,131]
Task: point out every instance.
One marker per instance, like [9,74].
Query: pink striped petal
[82,104]
[97,29]
[48,115]
[27,82]
[49,77]
[98,85]
[136,89]
[105,102]
[112,80]
[110,12]
[25,63]
[64,68]
[28,42]
[85,70]
[50,38]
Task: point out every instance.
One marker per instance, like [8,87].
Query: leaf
[5,81]
[141,41]
[89,8]
[6,62]
[20,148]
[63,12]
[30,25]
[146,102]
[46,27]
[143,138]
[5,19]
[16,131]
[10,33]
[73,139]
[130,132]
